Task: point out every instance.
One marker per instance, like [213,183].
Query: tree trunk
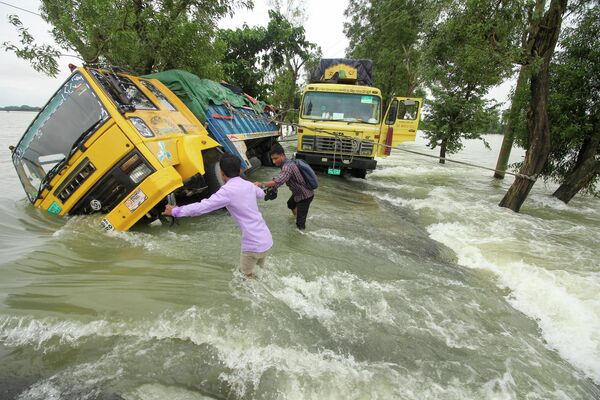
[509,131]
[586,169]
[443,148]
[541,44]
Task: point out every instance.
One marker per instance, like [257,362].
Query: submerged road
[411,284]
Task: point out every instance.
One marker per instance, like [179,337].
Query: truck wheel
[212,170]
[359,173]
[255,163]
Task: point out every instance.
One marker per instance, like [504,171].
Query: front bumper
[347,162]
[153,189]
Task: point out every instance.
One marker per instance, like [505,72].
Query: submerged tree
[511,119]
[541,43]
[574,109]
[518,98]
[293,11]
[268,62]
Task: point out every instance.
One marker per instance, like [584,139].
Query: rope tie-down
[357,141]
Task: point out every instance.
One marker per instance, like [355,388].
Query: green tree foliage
[455,116]
[268,62]
[289,51]
[244,48]
[468,50]
[142,35]
[574,108]
[42,57]
[388,32]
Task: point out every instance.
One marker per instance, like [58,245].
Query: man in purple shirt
[238,196]
[302,194]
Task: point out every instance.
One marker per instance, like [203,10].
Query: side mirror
[296,102]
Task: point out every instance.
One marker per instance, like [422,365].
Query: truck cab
[341,124]
[112,143]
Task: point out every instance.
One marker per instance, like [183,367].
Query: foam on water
[532,257]
[162,392]
[320,373]
[243,357]
[320,298]
[19,331]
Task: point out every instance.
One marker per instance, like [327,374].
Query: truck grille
[74,180]
[107,193]
[339,144]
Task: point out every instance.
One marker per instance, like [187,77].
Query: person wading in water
[238,196]
[302,194]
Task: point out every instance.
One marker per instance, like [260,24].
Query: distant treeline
[20,108]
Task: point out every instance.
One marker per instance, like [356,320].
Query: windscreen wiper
[76,145]
[124,101]
[49,175]
[81,139]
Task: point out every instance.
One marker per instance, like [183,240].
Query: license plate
[334,171]
[107,226]
[135,200]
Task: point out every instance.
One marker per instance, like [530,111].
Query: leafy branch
[43,58]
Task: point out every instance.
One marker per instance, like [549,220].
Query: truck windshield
[72,114]
[348,107]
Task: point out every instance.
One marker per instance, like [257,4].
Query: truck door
[400,123]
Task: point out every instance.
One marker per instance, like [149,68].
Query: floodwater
[411,284]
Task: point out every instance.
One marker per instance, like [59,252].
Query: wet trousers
[301,210]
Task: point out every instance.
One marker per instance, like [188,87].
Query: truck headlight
[308,142]
[141,127]
[366,151]
[136,168]
[139,173]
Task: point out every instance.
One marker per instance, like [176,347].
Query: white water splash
[564,302]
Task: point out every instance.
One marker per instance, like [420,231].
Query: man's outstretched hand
[168,210]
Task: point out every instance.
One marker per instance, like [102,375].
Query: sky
[21,84]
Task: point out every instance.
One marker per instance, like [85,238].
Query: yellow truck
[341,126]
[112,143]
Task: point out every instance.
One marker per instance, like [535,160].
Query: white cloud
[19,82]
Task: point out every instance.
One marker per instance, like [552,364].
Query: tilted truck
[341,126]
[112,143]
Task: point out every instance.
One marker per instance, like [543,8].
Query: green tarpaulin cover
[198,93]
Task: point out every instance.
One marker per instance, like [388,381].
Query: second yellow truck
[342,128]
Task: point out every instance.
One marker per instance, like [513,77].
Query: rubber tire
[255,163]
[212,170]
